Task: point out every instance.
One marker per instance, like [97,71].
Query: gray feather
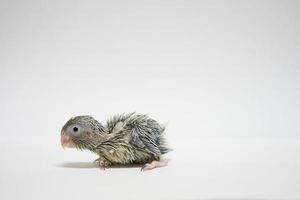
[126,138]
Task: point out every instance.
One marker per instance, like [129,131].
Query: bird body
[125,139]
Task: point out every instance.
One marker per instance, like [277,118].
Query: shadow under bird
[125,139]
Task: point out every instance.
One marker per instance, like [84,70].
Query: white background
[223,76]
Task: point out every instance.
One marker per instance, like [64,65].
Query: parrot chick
[125,139]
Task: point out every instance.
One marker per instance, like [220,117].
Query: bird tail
[164,150]
[162,144]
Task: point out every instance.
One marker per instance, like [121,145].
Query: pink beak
[66,140]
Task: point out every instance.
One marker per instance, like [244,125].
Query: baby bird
[125,139]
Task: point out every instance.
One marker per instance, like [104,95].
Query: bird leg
[155,164]
[102,163]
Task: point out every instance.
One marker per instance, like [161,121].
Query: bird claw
[146,167]
[154,164]
[102,163]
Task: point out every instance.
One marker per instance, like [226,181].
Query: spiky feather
[126,138]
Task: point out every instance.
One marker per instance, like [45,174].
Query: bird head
[81,132]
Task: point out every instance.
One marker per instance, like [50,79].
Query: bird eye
[75,129]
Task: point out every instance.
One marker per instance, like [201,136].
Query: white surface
[231,67]
[210,169]
[211,69]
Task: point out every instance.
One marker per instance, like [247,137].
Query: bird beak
[66,141]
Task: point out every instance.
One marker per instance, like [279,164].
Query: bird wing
[117,123]
[144,132]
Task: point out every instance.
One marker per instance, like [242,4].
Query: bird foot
[102,163]
[155,164]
